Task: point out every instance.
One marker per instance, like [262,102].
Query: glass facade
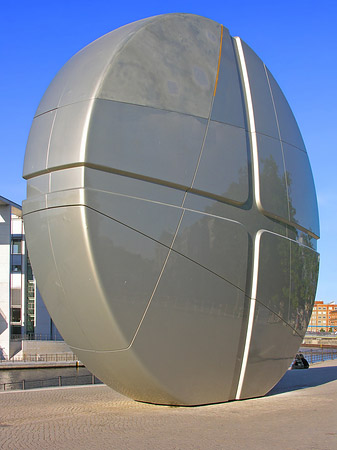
[30,300]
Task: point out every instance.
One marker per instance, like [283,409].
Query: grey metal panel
[119,184]
[273,188]
[228,105]
[71,178]
[264,113]
[287,280]
[147,141]
[152,219]
[35,203]
[38,185]
[38,144]
[121,268]
[49,284]
[274,275]
[304,277]
[289,131]
[301,189]
[67,143]
[225,156]
[170,64]
[79,78]
[209,240]
[192,315]
[65,198]
[272,349]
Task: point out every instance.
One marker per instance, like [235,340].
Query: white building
[22,311]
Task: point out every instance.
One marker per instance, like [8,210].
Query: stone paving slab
[300,413]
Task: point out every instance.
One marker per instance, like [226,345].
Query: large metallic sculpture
[171,214]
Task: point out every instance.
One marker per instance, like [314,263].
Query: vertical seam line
[217,73]
[256,190]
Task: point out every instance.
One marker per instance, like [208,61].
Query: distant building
[333,320]
[22,311]
[324,316]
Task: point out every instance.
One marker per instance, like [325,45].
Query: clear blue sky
[297,40]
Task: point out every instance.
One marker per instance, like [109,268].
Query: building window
[15,331]
[16,315]
[16,297]
[16,246]
[16,268]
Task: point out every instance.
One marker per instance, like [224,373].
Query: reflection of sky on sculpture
[38,38]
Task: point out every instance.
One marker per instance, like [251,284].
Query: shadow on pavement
[294,380]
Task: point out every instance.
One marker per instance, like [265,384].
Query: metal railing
[318,355]
[320,333]
[80,380]
[43,357]
[36,337]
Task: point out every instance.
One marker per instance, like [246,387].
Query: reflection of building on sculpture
[22,312]
[172,195]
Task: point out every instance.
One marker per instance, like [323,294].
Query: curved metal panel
[273,182]
[145,141]
[225,156]
[38,143]
[171,64]
[205,240]
[289,131]
[301,189]
[228,101]
[41,255]
[272,349]
[304,277]
[287,282]
[152,219]
[80,77]
[67,141]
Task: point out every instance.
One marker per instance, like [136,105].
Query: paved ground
[300,413]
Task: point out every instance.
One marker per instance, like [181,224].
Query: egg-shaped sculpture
[171,215]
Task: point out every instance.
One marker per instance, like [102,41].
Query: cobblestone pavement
[300,413]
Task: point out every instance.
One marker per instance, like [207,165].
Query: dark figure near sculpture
[300,362]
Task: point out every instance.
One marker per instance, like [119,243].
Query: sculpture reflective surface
[171,215]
